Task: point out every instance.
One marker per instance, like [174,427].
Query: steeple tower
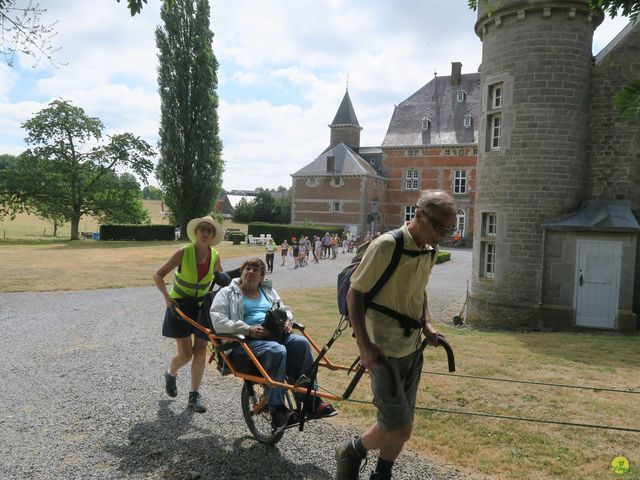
[345,127]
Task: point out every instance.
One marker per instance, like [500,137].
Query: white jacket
[227,309]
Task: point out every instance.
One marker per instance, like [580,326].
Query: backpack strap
[393,264]
[406,322]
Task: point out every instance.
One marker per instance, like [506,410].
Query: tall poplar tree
[190,166]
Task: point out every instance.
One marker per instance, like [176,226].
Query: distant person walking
[195,264]
[270,248]
[284,251]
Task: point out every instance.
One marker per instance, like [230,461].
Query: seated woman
[241,308]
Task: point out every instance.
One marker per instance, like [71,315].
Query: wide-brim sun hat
[193,224]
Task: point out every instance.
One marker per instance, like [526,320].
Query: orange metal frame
[264,377]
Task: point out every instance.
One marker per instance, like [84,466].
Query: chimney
[331,164]
[456,73]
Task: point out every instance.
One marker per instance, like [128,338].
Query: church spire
[345,127]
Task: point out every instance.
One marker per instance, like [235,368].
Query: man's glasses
[441,228]
[209,230]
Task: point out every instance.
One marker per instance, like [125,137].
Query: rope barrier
[522,419]
[563,385]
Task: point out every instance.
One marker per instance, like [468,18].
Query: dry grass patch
[86,265]
[507,449]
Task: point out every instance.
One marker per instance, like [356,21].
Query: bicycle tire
[256,414]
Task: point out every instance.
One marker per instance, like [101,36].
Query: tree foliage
[70,172]
[151,193]
[628,101]
[190,166]
[273,206]
[22,31]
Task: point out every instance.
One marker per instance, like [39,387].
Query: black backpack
[344,282]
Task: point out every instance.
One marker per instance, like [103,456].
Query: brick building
[431,142]
[340,187]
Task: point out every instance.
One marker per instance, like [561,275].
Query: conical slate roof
[346,115]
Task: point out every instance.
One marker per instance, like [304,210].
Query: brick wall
[436,169]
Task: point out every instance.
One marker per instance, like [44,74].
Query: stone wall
[614,157]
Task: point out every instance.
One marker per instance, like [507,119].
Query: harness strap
[406,322]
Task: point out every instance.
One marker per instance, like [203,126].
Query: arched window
[460,225]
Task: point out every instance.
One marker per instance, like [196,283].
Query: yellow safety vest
[185,279]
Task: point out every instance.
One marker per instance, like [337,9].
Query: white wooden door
[597,283]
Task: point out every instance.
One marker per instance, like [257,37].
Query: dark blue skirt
[175,327]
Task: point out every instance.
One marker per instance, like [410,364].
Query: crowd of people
[305,249]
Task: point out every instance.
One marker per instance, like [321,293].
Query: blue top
[255,309]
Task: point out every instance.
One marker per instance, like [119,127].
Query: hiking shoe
[170,384]
[348,461]
[196,403]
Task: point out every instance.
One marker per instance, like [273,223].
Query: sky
[284,66]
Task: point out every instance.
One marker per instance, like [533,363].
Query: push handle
[451,359]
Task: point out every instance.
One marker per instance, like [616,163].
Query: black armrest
[238,337]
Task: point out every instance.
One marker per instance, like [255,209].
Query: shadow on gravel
[178,446]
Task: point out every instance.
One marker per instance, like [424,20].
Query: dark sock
[383,468]
[357,445]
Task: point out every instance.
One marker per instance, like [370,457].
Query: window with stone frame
[495,131]
[336,207]
[460,181]
[467,120]
[460,221]
[337,182]
[460,96]
[488,257]
[495,96]
[413,152]
[312,182]
[409,212]
[411,181]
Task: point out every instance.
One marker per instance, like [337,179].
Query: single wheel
[256,413]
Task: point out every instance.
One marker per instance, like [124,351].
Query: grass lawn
[507,449]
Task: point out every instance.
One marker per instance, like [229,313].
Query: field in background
[30,227]
[506,449]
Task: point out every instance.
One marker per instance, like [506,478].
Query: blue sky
[283,71]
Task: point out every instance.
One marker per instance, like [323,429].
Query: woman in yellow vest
[195,263]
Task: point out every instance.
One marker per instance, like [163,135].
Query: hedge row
[281,232]
[137,232]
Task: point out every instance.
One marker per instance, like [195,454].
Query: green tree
[151,193]
[190,166]
[243,213]
[70,172]
[264,207]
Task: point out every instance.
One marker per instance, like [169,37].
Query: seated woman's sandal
[323,409]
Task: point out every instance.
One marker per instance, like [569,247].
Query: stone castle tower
[535,77]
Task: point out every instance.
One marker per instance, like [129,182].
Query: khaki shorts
[395,413]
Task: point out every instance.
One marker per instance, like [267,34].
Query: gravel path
[82,393]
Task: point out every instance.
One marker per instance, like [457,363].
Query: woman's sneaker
[196,403]
[170,385]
